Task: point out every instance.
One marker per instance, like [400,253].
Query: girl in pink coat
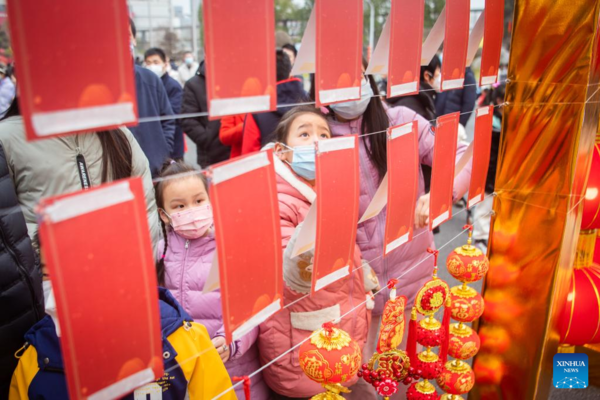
[296,135]
[369,115]
[185,259]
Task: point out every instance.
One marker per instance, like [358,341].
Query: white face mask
[437,83]
[356,108]
[50,304]
[157,69]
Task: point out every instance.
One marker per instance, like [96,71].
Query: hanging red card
[246,211]
[442,174]
[406,38]
[339,35]
[403,184]
[50,39]
[456,41]
[492,41]
[337,209]
[481,154]
[97,248]
[240,56]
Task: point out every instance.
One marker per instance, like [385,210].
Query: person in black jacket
[156,61]
[203,132]
[461,100]
[21,296]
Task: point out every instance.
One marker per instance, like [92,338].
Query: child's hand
[422,211]
[222,348]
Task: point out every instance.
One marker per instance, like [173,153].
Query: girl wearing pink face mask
[185,260]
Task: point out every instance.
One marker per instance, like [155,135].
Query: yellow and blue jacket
[40,372]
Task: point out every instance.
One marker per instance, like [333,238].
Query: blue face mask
[356,108]
[303,161]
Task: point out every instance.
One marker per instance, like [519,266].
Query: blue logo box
[570,371]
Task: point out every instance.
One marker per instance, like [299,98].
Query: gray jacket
[48,167]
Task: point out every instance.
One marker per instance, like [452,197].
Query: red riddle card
[442,174]
[481,154]
[337,209]
[73,64]
[339,35]
[455,43]
[406,39]
[97,248]
[492,41]
[403,184]
[246,211]
[240,56]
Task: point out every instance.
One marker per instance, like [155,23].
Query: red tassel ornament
[411,341]
[446,327]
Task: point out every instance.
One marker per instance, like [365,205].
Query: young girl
[370,115]
[296,135]
[185,259]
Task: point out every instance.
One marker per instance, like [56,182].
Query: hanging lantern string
[470,238]
[352,310]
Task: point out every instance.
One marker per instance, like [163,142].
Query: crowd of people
[181,224]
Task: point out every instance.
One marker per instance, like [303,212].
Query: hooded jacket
[21,300]
[203,132]
[370,235]
[40,374]
[187,265]
[296,321]
[48,167]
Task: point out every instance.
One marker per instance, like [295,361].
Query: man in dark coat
[21,296]
[156,138]
[461,100]
[203,132]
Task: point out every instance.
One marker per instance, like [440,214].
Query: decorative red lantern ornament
[591,203]
[494,339]
[456,378]
[430,332]
[429,364]
[330,357]
[467,303]
[447,396]
[580,317]
[467,263]
[392,321]
[423,390]
[488,369]
[464,342]
[432,296]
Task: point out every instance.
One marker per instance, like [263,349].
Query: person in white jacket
[188,68]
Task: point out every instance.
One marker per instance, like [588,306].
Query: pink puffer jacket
[296,322]
[187,264]
[370,235]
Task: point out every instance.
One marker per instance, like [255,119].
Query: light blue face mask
[356,108]
[303,161]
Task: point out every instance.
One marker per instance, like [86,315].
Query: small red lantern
[423,390]
[429,364]
[447,396]
[467,304]
[494,339]
[456,378]
[591,203]
[488,369]
[467,263]
[330,357]
[430,332]
[464,342]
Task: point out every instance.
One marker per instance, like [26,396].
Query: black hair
[284,65]
[170,168]
[290,47]
[155,51]
[132,26]
[431,67]
[282,131]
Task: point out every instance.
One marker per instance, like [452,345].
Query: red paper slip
[246,211]
[481,154]
[405,47]
[455,43]
[51,40]
[337,209]
[403,183]
[492,41]
[442,175]
[339,31]
[240,56]
[97,248]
